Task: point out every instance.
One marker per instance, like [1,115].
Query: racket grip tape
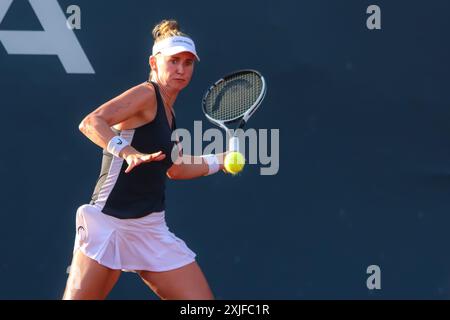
[234,144]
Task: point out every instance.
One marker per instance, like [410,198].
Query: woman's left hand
[136,158]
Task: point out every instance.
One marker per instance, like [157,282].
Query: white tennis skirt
[143,244]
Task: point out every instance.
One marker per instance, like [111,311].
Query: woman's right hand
[135,158]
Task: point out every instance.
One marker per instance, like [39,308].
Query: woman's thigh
[185,283]
[89,280]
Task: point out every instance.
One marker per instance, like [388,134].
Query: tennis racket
[232,100]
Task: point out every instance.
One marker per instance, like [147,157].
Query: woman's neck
[169,96]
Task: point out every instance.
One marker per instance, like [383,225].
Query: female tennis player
[123,228]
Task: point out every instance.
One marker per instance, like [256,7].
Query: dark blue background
[364,125]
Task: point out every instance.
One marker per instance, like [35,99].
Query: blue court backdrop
[364,161]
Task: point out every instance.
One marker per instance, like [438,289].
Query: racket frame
[243,119]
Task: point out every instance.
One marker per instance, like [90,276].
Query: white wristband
[213,163]
[116,144]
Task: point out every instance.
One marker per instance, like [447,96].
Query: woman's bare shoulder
[144,92]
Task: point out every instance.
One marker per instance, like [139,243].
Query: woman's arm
[132,103]
[191,167]
[97,125]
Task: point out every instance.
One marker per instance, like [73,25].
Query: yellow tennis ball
[234,162]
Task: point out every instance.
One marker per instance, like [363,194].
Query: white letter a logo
[55,39]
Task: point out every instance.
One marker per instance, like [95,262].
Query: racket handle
[234,144]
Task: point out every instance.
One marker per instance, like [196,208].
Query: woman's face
[174,72]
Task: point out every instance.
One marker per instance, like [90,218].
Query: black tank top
[141,191]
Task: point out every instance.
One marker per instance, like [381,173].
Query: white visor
[174,45]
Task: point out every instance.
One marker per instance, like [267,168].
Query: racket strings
[231,98]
